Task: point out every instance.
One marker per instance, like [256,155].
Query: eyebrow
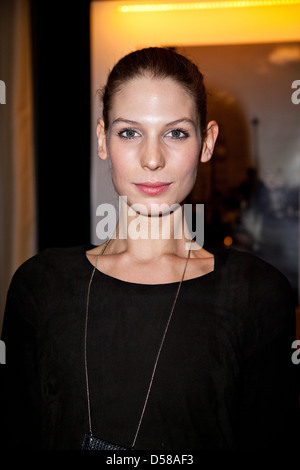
[173,123]
[126,121]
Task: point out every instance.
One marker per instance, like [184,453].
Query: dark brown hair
[157,62]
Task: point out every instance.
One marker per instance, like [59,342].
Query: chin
[153,205]
[155,208]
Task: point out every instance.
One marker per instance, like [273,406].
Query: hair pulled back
[157,62]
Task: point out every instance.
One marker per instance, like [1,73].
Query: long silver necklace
[90,442]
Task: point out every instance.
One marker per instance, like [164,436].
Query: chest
[126,330]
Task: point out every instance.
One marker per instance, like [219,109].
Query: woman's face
[153,142]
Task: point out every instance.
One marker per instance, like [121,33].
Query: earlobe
[209,142]
[101,140]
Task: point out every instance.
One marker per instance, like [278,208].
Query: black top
[224,379]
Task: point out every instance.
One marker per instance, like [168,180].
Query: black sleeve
[21,402]
[269,409]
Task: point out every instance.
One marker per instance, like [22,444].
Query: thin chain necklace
[91,442]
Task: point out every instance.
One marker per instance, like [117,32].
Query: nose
[153,157]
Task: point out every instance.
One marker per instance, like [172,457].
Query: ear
[209,142]
[101,139]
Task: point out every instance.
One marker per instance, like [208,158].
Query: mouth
[152,188]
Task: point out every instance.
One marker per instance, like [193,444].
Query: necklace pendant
[94,443]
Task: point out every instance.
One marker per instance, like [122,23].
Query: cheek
[121,160]
[188,166]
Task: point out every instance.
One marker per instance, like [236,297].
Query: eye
[127,134]
[178,134]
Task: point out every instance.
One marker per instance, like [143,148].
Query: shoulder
[50,262]
[253,286]
[249,268]
[45,280]
[267,293]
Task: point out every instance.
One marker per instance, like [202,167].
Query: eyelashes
[174,134]
[127,134]
[179,134]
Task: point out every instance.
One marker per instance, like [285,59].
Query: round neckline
[116,279]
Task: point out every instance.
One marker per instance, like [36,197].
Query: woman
[150,341]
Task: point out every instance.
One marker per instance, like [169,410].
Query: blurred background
[54,58]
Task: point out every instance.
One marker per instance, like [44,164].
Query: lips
[153,188]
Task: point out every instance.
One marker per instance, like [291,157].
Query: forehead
[146,97]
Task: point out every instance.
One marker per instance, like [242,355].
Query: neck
[150,237]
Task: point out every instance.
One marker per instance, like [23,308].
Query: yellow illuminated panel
[204,5]
[264,21]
